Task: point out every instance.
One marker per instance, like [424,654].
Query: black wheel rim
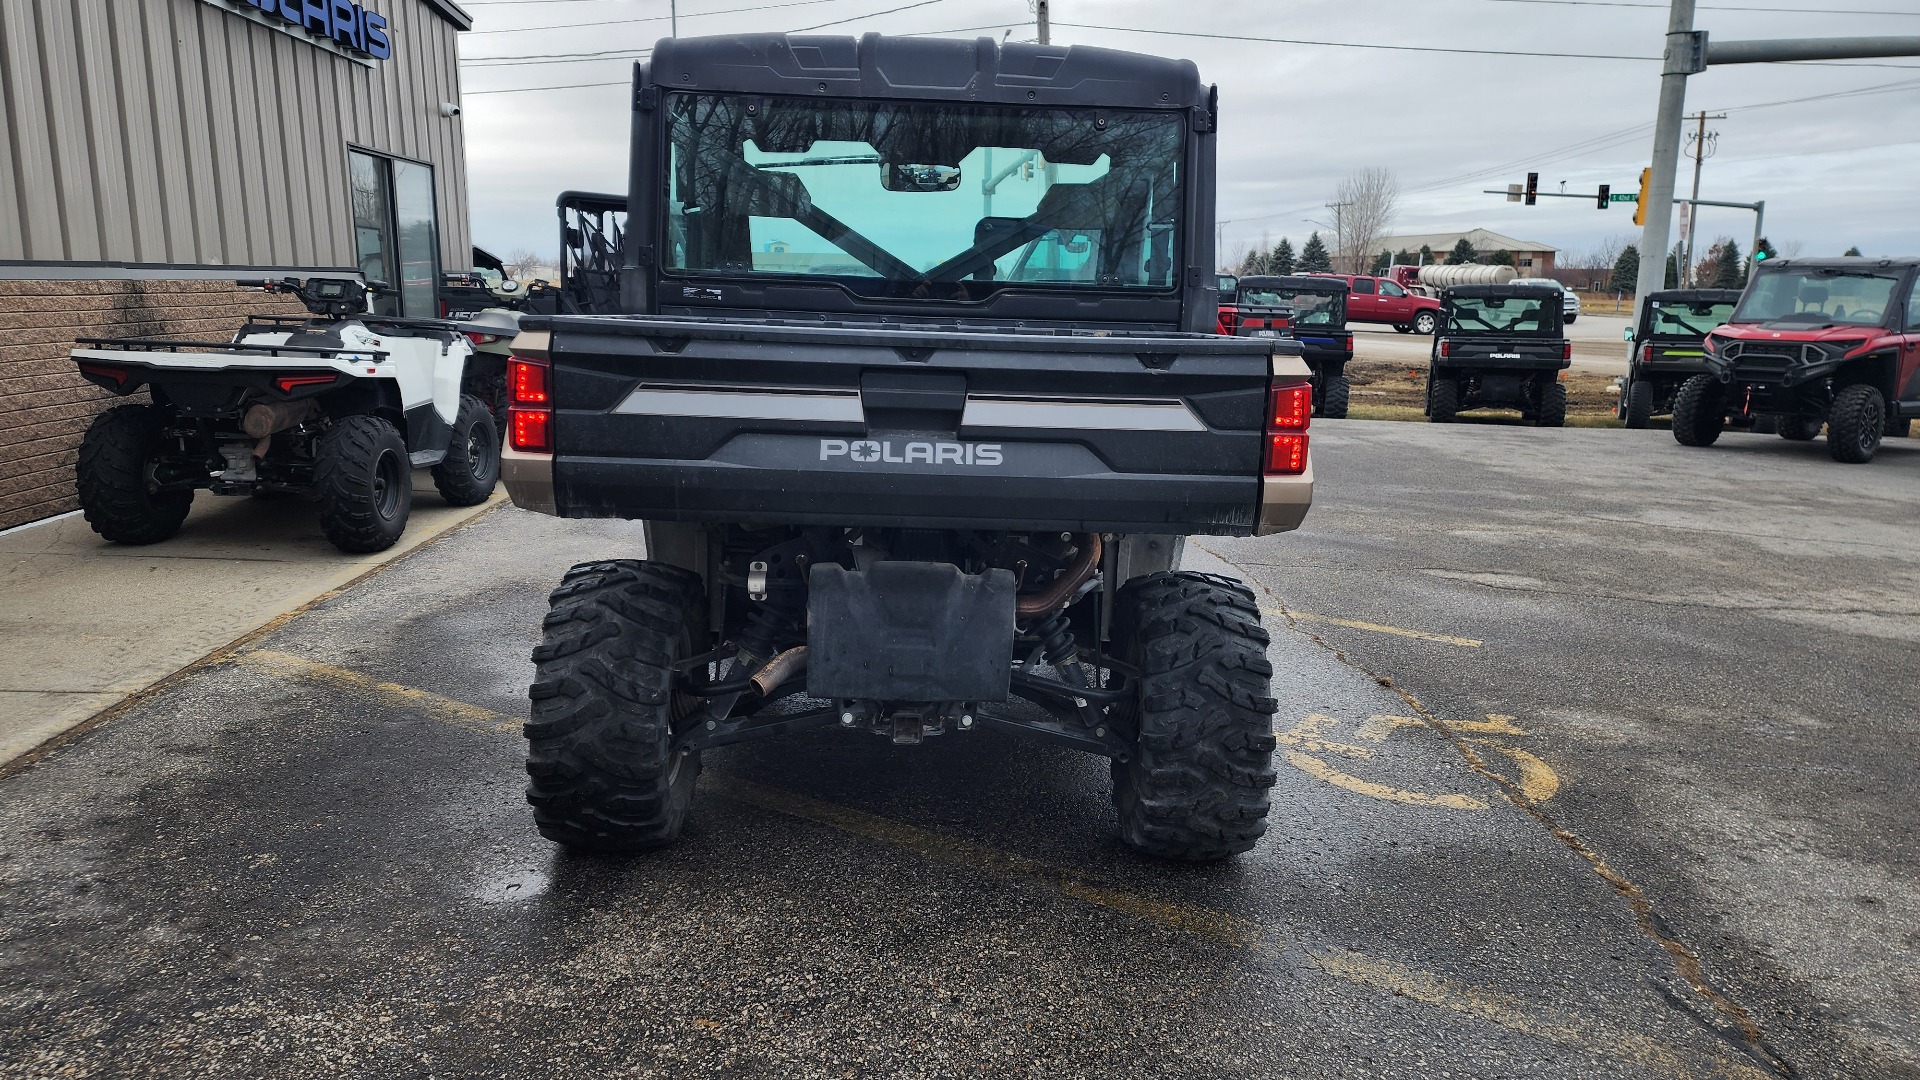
[479,450]
[387,478]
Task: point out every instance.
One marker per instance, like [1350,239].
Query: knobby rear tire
[1699,411]
[1639,404]
[114,482]
[363,479]
[1197,787]
[1443,400]
[1552,410]
[1335,398]
[602,772]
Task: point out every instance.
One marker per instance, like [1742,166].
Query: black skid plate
[909,631]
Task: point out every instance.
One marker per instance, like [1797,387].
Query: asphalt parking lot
[1598,762]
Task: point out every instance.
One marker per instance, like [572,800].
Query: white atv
[339,407]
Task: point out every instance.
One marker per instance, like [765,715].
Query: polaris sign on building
[154,151]
[347,25]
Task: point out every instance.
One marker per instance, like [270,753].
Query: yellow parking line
[1377,628]
[1560,1026]
[452,711]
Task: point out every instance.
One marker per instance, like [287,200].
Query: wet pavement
[1593,766]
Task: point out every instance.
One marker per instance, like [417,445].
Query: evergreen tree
[1250,264]
[1626,270]
[1673,268]
[1381,262]
[1280,260]
[1314,258]
[1766,248]
[1406,258]
[1730,270]
[1854,250]
[1463,252]
[1503,257]
[1426,256]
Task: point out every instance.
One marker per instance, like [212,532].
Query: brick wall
[45,405]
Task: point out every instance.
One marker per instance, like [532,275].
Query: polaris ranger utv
[1665,348]
[1309,310]
[1500,346]
[917,401]
[1813,343]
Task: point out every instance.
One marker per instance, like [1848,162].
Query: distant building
[1530,257]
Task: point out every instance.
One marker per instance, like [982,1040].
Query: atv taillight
[110,372]
[527,381]
[1446,347]
[287,384]
[1229,321]
[1646,354]
[529,406]
[1566,351]
[482,339]
[1287,419]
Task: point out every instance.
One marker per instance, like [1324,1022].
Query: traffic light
[1760,256]
[1640,208]
[1533,187]
[1606,196]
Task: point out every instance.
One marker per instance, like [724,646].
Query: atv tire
[1424,323]
[1639,411]
[1800,428]
[114,478]
[1196,786]
[603,773]
[1699,411]
[363,480]
[1443,400]
[1856,422]
[467,475]
[1338,393]
[1552,406]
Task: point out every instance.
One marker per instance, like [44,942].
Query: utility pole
[1340,237]
[1689,53]
[673,15]
[1693,204]
[1040,14]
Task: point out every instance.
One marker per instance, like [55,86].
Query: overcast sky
[1835,172]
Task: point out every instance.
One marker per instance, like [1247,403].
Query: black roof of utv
[1694,296]
[927,69]
[1501,292]
[1327,286]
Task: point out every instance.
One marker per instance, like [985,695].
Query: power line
[531,89]
[1707,7]
[624,22]
[1360,44]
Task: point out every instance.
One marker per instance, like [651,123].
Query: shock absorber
[770,623]
[1058,648]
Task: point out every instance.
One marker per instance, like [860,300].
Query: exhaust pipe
[1044,602]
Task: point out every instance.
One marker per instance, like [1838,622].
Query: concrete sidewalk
[84,623]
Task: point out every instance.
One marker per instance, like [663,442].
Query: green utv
[908,373]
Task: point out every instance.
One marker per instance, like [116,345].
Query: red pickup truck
[1381,300]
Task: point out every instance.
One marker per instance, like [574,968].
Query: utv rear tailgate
[709,420]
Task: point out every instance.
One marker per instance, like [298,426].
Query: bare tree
[521,264]
[1791,249]
[1601,256]
[1363,207]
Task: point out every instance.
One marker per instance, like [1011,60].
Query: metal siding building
[153,149]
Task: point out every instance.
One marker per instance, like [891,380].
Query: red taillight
[1292,408]
[530,406]
[530,431]
[482,339]
[527,381]
[116,375]
[1566,351]
[1349,342]
[287,384]
[1446,347]
[1229,320]
[1290,412]
[1646,354]
[1286,455]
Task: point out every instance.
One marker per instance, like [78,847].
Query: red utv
[1814,342]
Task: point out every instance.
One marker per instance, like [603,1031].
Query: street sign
[1621,196]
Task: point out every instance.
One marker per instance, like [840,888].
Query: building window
[396,232]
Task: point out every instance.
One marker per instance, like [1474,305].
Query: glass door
[396,233]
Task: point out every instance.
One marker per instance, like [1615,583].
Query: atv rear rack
[166,345]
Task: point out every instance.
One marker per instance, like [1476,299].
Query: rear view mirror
[1497,303]
[1627,334]
[898,177]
